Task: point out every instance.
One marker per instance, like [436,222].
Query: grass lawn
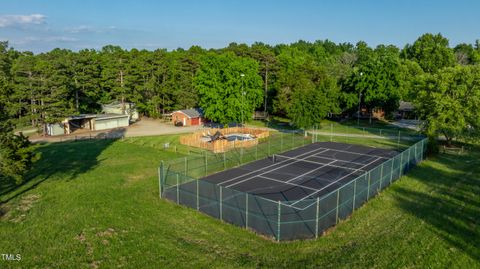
[95,204]
[346,127]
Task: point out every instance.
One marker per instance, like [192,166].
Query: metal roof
[192,113]
[96,116]
[406,106]
[110,116]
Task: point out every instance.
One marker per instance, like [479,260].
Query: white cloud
[89,29]
[48,39]
[21,20]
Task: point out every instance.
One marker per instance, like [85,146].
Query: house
[188,117]
[406,110]
[87,122]
[122,109]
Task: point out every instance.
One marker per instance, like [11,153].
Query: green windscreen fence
[285,220]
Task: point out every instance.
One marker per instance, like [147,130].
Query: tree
[265,56]
[114,71]
[293,72]
[16,152]
[449,102]
[55,86]
[464,54]
[312,103]
[86,71]
[431,52]
[377,78]
[220,83]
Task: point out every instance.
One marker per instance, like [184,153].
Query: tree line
[303,81]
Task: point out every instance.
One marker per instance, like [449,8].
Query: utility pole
[359,102]
[266,88]
[243,93]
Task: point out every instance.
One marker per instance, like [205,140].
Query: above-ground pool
[238,136]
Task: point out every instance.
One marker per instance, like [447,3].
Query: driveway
[144,127]
[410,124]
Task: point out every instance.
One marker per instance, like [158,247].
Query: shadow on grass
[65,159]
[451,204]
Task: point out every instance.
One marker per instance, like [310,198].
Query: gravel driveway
[144,127]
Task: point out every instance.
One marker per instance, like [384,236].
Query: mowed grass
[95,204]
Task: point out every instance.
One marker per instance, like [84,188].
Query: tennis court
[303,173]
[288,189]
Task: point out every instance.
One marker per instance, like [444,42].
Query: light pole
[359,102]
[243,93]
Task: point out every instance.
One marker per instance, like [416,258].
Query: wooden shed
[188,117]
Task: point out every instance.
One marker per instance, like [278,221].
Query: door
[195,121]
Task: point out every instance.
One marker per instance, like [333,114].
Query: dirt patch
[88,249]
[17,212]
[132,179]
[110,232]
[83,239]
[27,202]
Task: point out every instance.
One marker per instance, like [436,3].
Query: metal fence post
[313,132]
[391,170]
[381,176]
[408,163]
[186,166]
[281,142]
[316,219]
[331,132]
[221,205]
[198,200]
[246,210]
[224,161]
[338,201]
[398,140]
[269,139]
[354,192]
[368,187]
[346,134]
[293,140]
[279,219]
[415,155]
[160,178]
[178,190]
[401,165]
[423,149]
[206,164]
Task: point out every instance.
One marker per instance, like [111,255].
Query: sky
[41,25]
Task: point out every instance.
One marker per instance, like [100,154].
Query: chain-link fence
[285,220]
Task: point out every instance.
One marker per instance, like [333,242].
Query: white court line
[369,155]
[276,168]
[333,182]
[293,184]
[268,166]
[302,175]
[332,165]
[338,160]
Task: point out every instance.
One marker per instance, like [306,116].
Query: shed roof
[192,113]
[96,116]
[82,116]
[110,116]
[117,104]
[406,106]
